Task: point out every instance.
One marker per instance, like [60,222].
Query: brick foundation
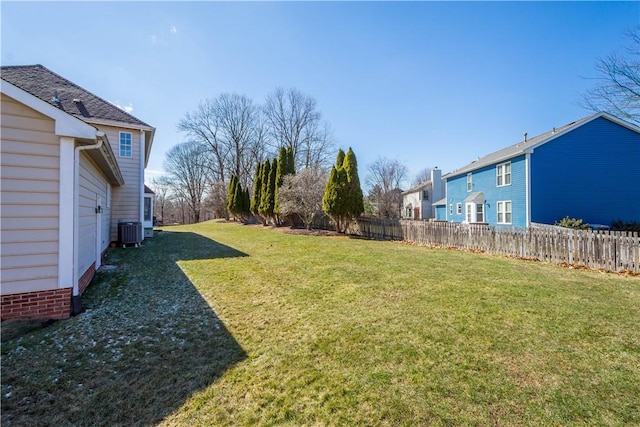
[51,304]
[86,278]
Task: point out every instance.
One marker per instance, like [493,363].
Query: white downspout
[76,306]
[142,154]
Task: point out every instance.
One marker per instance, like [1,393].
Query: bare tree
[617,90]
[385,177]
[231,127]
[216,200]
[317,147]
[302,193]
[161,187]
[293,121]
[186,166]
[422,176]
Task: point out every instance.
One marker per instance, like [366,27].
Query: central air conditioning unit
[129,233]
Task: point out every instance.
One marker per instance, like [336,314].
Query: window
[469,209]
[125,144]
[504,212]
[425,195]
[479,212]
[108,195]
[459,208]
[451,209]
[503,174]
[469,182]
[147,208]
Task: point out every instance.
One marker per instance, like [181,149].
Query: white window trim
[450,208]
[503,203]
[120,144]
[469,182]
[503,174]
[459,209]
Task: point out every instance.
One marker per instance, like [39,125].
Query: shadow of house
[146,342]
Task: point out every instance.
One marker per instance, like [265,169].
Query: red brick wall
[52,304]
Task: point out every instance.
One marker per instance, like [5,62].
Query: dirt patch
[312,232]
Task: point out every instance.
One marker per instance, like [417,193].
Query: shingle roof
[418,187]
[54,89]
[522,146]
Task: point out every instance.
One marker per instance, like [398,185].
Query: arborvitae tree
[355,200]
[231,194]
[291,162]
[237,200]
[271,192]
[266,171]
[246,203]
[285,167]
[340,159]
[257,190]
[331,198]
[280,172]
[343,199]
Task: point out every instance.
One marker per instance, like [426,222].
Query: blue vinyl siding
[592,173]
[441,213]
[484,180]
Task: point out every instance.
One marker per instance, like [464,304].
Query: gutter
[76,305]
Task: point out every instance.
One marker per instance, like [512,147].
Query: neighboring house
[588,169]
[418,202]
[72,168]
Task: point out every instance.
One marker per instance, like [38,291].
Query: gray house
[418,201]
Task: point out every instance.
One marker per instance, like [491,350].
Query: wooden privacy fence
[608,250]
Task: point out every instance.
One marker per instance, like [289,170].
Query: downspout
[76,305]
[142,158]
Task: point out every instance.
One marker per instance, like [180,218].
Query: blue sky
[426,83]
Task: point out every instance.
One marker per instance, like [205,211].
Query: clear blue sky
[426,83]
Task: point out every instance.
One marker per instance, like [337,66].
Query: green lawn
[224,324]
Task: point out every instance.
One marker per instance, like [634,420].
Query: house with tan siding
[71,169]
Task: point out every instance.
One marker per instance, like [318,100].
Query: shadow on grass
[146,343]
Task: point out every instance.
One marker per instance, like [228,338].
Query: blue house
[588,169]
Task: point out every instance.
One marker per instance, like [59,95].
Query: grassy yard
[223,324]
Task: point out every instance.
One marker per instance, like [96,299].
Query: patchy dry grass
[238,325]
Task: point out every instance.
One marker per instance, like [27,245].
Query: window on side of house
[459,208]
[504,212]
[451,209]
[147,208]
[503,174]
[108,195]
[469,182]
[125,144]
[479,212]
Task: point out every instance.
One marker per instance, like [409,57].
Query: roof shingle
[517,149]
[54,89]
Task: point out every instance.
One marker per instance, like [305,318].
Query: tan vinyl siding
[92,186]
[29,170]
[126,199]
